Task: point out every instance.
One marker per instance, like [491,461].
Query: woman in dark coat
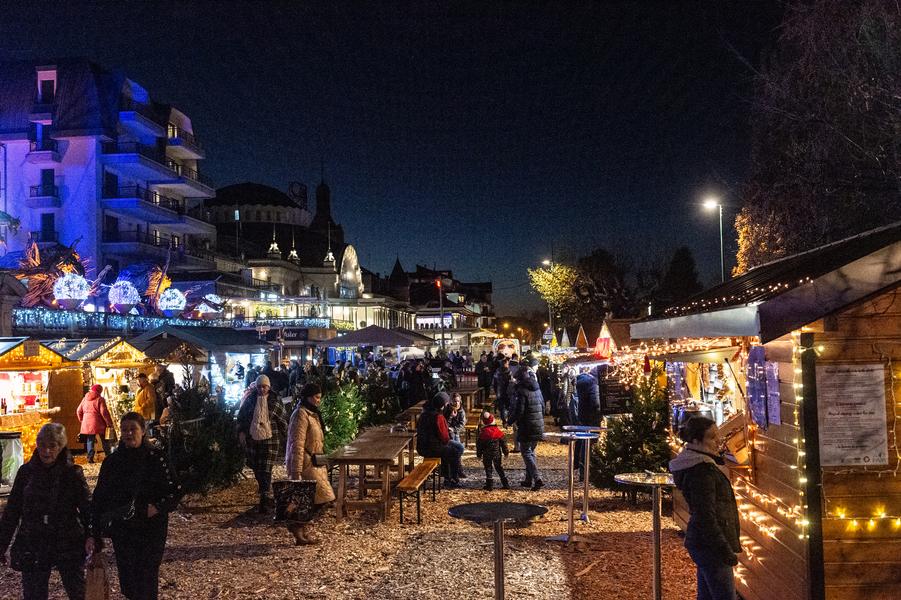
[135,493]
[527,413]
[48,512]
[712,535]
[262,433]
[433,440]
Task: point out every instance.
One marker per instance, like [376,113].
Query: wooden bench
[412,484]
[472,431]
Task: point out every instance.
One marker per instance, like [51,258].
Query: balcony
[155,246]
[147,163]
[45,236]
[142,204]
[42,112]
[140,119]
[45,195]
[183,144]
[43,151]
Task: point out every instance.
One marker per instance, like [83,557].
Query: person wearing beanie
[306,438]
[93,414]
[489,446]
[433,440]
[262,427]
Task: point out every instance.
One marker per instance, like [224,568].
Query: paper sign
[851,407]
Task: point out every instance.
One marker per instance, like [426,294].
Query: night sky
[467,138]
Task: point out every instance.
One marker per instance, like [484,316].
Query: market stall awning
[373,336]
[211,339]
[712,355]
[418,338]
[27,354]
[777,298]
[102,352]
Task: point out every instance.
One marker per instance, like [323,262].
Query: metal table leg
[656,500]
[586,458]
[499,560]
[569,536]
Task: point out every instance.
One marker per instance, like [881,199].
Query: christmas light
[70,290]
[123,296]
[172,301]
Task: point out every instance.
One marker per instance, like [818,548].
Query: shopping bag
[96,581]
[294,499]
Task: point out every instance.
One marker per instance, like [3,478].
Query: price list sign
[851,407]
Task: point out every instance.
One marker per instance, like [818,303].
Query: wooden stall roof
[103,352]
[711,355]
[40,357]
[779,297]
[211,339]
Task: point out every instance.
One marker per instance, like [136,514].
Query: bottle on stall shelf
[3,406]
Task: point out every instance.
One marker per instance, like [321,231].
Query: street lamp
[549,262]
[713,203]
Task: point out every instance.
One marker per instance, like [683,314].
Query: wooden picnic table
[411,415]
[377,448]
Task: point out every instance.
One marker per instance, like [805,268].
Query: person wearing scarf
[712,534]
[261,430]
[306,437]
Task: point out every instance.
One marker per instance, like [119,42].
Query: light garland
[750,295]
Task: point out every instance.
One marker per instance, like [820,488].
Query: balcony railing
[175,132]
[136,237]
[129,105]
[44,190]
[148,152]
[189,173]
[44,145]
[149,196]
[45,235]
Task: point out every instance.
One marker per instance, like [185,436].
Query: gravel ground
[220,548]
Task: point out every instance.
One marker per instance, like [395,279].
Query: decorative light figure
[172,302]
[70,290]
[123,296]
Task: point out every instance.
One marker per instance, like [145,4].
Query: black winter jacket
[48,512]
[141,474]
[527,409]
[589,400]
[483,372]
[428,443]
[712,535]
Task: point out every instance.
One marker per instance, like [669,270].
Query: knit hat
[97,388]
[487,418]
[263,380]
[440,400]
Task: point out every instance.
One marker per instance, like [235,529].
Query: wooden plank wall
[773,564]
[864,561]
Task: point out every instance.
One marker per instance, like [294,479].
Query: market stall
[30,386]
[810,344]
[111,362]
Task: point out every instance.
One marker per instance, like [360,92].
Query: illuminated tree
[826,131]
[555,284]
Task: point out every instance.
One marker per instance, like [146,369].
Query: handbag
[294,500]
[95,578]
[117,516]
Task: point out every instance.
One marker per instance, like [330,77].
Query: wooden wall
[864,561]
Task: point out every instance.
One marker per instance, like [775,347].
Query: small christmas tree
[342,411]
[636,442]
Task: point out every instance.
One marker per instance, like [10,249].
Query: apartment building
[87,155]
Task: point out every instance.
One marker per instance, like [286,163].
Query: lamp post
[549,262]
[711,204]
[441,309]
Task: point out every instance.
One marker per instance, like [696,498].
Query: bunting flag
[554,343]
[581,339]
[564,341]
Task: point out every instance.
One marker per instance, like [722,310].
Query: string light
[123,294]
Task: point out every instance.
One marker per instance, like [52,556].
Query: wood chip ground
[219,548]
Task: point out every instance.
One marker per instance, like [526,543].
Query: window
[175,241]
[237,215]
[268,216]
[48,227]
[156,237]
[278,216]
[259,216]
[47,91]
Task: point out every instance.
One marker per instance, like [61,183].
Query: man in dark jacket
[501,384]
[527,413]
[589,411]
[484,376]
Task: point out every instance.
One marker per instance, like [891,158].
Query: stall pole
[810,433]
[656,509]
[499,559]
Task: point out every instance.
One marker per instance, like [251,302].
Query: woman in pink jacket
[94,417]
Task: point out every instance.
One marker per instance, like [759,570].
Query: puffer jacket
[589,399]
[712,535]
[93,415]
[527,409]
[48,512]
[431,433]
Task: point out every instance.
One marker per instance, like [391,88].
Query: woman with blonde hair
[48,512]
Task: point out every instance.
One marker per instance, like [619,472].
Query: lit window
[237,215]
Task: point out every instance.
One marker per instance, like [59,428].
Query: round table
[655,481]
[586,460]
[497,513]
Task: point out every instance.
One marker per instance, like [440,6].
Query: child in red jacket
[489,446]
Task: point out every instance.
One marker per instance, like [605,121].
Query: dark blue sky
[467,137]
